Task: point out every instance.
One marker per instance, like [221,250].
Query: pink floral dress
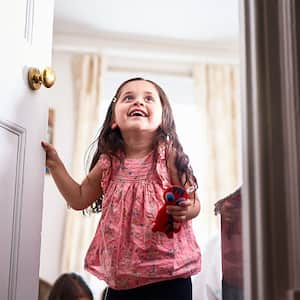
[124,252]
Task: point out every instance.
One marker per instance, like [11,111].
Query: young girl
[138,156]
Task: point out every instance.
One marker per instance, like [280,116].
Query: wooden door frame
[271,148]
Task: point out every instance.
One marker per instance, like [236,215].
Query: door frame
[271,148]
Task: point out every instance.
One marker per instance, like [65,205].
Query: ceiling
[189,20]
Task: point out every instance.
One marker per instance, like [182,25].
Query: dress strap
[161,165]
[106,167]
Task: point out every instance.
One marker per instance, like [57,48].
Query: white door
[26,40]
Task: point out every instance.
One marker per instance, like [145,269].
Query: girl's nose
[139,101]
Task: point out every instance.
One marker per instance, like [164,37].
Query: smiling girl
[138,157]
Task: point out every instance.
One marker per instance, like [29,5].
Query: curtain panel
[217,97]
[88,71]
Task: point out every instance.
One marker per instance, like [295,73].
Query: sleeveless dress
[124,252]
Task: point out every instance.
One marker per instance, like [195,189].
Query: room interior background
[201,80]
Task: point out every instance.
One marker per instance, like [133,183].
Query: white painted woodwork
[129,52]
[26,40]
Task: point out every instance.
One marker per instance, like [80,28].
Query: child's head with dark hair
[70,286]
[110,140]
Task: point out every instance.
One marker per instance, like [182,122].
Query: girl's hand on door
[52,158]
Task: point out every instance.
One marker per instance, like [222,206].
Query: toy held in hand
[164,222]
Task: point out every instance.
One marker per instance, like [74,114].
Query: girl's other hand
[52,158]
[180,212]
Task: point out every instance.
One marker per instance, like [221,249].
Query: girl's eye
[128,99]
[149,99]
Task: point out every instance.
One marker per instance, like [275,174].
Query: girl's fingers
[48,147]
[179,218]
[45,144]
[183,206]
[185,203]
[177,211]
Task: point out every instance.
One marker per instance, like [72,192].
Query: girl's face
[138,108]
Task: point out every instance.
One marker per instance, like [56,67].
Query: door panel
[26,39]
[12,158]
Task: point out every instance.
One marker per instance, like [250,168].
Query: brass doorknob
[36,78]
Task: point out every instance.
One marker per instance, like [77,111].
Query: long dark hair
[110,141]
[70,286]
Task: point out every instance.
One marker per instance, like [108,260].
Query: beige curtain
[88,71]
[216,90]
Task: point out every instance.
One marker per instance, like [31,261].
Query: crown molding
[138,49]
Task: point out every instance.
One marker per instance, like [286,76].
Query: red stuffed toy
[164,222]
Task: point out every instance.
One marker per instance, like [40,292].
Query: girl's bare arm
[78,196]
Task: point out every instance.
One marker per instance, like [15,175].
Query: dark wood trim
[289,40]
[270,101]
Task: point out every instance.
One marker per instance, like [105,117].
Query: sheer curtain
[216,92]
[88,71]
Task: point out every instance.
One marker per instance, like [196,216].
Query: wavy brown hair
[70,286]
[110,141]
